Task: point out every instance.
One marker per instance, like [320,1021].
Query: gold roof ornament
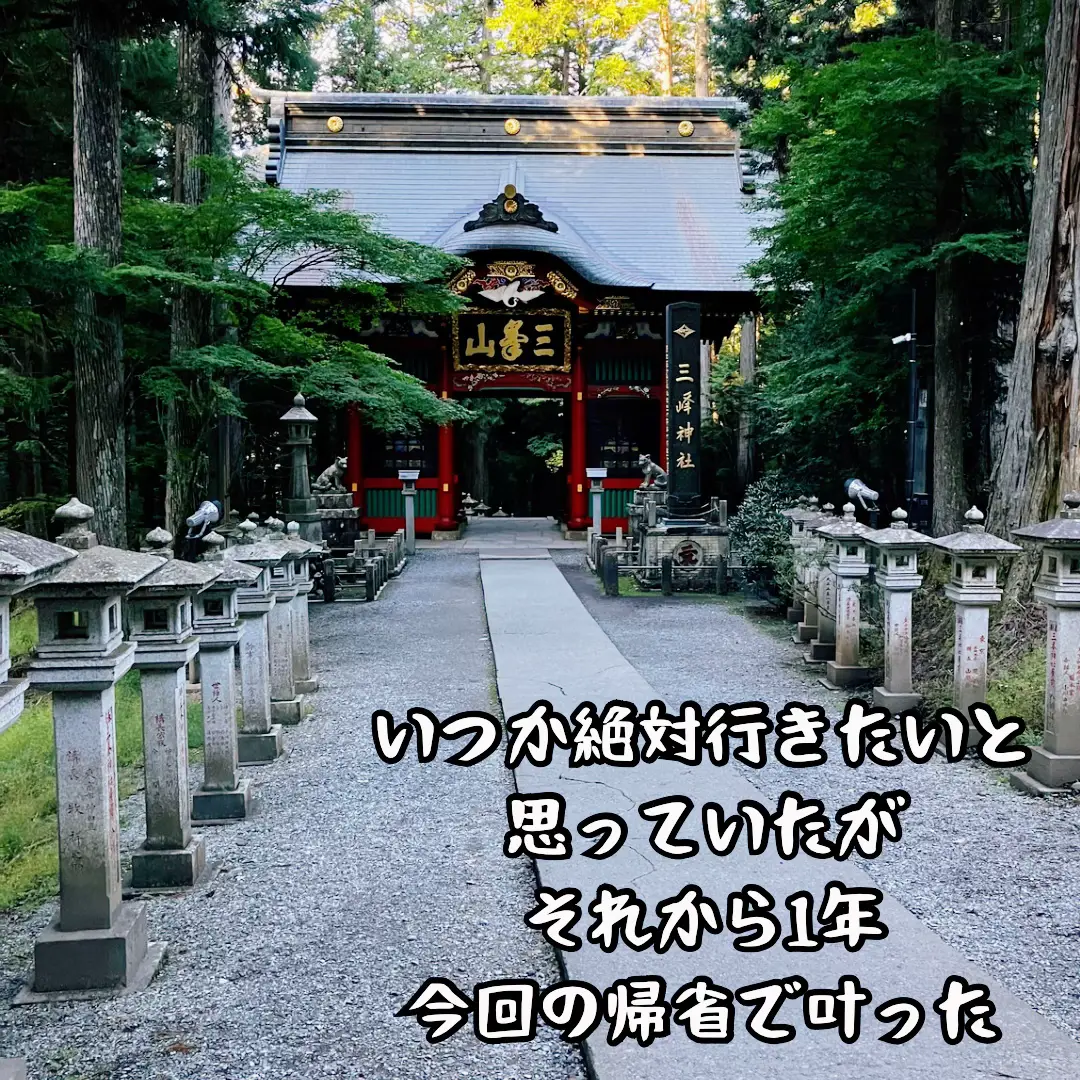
[686,128]
[512,126]
[335,124]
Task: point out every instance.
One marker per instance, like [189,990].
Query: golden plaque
[335,124]
[686,127]
[512,126]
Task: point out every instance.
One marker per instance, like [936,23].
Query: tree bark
[665,47]
[202,97]
[701,48]
[99,327]
[949,493]
[744,455]
[1040,458]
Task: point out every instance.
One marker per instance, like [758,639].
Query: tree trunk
[666,51]
[744,455]
[1040,458]
[485,47]
[949,492]
[99,327]
[701,48]
[201,94]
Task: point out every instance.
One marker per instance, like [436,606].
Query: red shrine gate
[580,218]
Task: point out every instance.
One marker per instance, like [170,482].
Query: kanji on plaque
[500,341]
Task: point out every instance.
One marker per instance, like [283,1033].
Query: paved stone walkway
[548,646]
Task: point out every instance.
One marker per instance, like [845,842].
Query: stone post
[848,567]
[286,705]
[898,549]
[823,646]
[160,616]
[596,493]
[408,478]
[24,561]
[300,504]
[223,795]
[260,741]
[305,681]
[96,941]
[1056,763]
[975,555]
[806,630]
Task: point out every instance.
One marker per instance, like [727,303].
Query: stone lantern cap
[25,559]
[101,570]
[299,414]
[805,510]
[899,534]
[234,574]
[177,576]
[974,540]
[259,553]
[847,528]
[1062,531]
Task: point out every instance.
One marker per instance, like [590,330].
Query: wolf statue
[654,475]
[329,481]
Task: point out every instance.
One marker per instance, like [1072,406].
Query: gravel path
[995,873]
[353,883]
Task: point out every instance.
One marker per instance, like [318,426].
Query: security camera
[856,489]
[902,338]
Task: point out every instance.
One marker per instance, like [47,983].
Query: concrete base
[805,633]
[840,675]
[222,807]
[261,748]
[80,960]
[446,534]
[176,869]
[307,686]
[895,702]
[12,1070]
[287,712]
[1030,786]
[820,652]
[794,614]
[1053,770]
[574,534]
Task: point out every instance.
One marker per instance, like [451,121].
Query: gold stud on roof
[512,126]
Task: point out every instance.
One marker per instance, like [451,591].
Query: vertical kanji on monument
[683,346]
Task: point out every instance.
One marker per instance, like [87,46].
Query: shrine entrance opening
[513,457]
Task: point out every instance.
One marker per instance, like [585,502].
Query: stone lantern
[286,704]
[260,740]
[898,549]
[1056,763]
[823,644]
[972,587]
[24,561]
[160,616]
[798,516]
[846,545]
[300,504]
[96,942]
[597,477]
[408,478]
[223,796]
[303,679]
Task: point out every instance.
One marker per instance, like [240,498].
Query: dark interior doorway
[513,455]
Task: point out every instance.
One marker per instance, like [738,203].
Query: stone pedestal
[286,705]
[845,669]
[223,796]
[897,694]
[260,740]
[970,647]
[807,628]
[170,856]
[303,679]
[408,478]
[823,646]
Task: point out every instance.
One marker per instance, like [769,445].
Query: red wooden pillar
[578,517]
[446,496]
[354,469]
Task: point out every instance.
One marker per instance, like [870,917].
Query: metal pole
[913,415]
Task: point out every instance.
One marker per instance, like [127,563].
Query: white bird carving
[511,294]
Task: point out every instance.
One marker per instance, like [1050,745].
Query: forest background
[141,333]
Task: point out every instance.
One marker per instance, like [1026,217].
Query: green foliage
[854,226]
[759,535]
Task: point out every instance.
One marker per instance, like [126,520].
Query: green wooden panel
[620,370]
[615,501]
[390,503]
